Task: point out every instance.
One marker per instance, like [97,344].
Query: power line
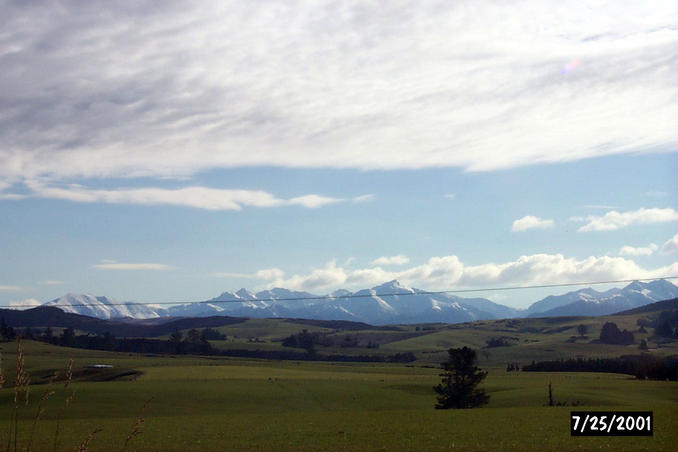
[331,297]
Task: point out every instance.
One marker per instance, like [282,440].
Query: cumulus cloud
[196,197]
[638,251]
[445,272]
[24,304]
[531,222]
[614,220]
[557,269]
[318,278]
[113,265]
[671,245]
[366,85]
[400,259]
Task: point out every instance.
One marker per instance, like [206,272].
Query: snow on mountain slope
[104,307]
[387,303]
[590,302]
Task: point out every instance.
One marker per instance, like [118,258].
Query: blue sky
[162,155]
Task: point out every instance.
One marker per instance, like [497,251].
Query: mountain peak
[102,307]
[340,293]
[635,285]
[393,286]
[246,294]
[661,283]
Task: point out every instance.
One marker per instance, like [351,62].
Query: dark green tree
[664,329]
[68,337]
[582,329]
[643,344]
[176,337]
[610,334]
[459,385]
[175,341]
[193,336]
[49,334]
[7,332]
[305,340]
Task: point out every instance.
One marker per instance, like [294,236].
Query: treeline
[641,366]
[665,325]
[309,340]
[194,342]
[406,357]
[610,334]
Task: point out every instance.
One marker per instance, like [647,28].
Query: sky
[172,152]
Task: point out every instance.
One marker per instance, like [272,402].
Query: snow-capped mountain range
[591,302]
[388,303]
[104,307]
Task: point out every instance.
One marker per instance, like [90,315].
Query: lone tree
[458,388]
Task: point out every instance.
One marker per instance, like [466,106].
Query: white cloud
[112,265]
[270,273]
[446,272]
[364,198]
[531,222]
[234,275]
[330,84]
[638,251]
[599,206]
[450,195]
[319,278]
[6,288]
[24,304]
[400,259]
[614,220]
[656,194]
[671,245]
[196,197]
[557,269]
[51,282]
[312,201]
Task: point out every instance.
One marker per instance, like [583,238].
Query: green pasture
[216,403]
[531,339]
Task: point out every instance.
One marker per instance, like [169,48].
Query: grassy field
[531,339]
[232,404]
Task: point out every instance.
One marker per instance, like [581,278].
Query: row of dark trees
[666,325]
[642,366]
[7,333]
[310,340]
[610,334]
[502,341]
[193,342]
[406,357]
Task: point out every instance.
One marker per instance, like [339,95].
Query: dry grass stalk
[83,445]
[68,377]
[138,426]
[21,382]
[49,392]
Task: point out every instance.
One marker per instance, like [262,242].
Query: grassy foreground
[229,404]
